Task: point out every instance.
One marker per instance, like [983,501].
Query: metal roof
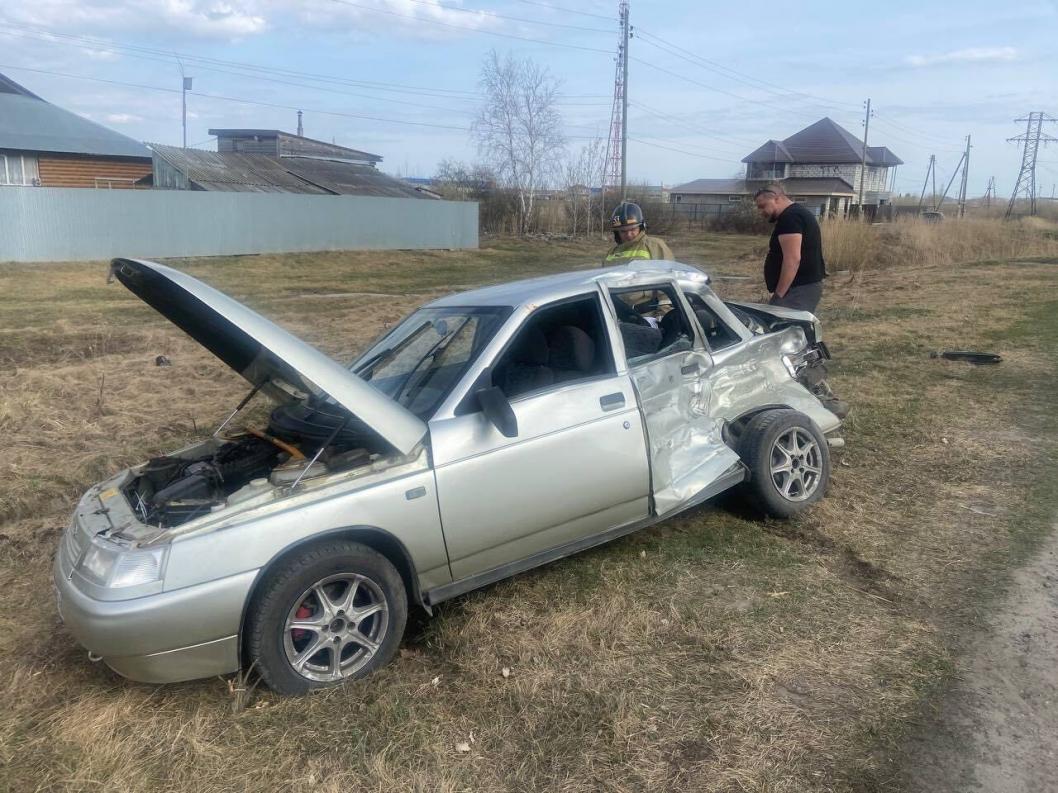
[772,151]
[560,285]
[298,145]
[823,142]
[807,185]
[260,173]
[28,123]
[345,178]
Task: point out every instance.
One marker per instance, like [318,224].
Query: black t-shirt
[795,219]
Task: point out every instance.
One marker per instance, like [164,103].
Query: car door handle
[612,401]
[691,368]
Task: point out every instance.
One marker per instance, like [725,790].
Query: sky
[708,83]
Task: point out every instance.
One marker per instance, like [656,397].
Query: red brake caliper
[303,612]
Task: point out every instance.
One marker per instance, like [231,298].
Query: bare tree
[580,173]
[519,129]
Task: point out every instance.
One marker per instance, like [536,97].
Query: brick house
[42,145]
[819,166]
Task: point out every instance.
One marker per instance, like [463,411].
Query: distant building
[42,145]
[818,166]
[270,161]
[276,143]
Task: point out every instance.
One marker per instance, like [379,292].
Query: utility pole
[863,158]
[962,159]
[624,104]
[301,129]
[930,170]
[183,99]
[1032,139]
[615,167]
[965,174]
[990,191]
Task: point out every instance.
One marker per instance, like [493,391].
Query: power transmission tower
[616,170]
[1032,139]
[930,171]
[965,175]
[863,158]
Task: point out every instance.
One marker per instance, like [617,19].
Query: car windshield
[420,361]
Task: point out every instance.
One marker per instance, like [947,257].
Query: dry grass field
[715,652]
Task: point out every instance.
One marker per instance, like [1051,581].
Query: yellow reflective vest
[642,247]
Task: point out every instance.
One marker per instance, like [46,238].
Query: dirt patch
[997,730]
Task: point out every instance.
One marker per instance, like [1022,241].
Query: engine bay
[302,441]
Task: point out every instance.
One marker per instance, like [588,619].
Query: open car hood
[261,351]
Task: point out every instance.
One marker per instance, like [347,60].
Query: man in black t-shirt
[794,268]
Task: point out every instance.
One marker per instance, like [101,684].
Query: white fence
[39,224]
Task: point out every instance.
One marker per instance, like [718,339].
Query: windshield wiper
[369,365]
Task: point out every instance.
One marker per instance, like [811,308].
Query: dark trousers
[804,298]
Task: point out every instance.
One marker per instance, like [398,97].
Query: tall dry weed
[855,246]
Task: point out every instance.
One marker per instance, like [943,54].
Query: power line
[680,151]
[170,55]
[235,99]
[464,28]
[480,12]
[733,74]
[566,10]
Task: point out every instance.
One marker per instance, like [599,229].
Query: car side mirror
[497,409]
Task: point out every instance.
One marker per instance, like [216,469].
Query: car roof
[547,288]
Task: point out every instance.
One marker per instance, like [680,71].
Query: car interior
[651,322]
[557,344]
[717,333]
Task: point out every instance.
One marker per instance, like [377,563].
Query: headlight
[114,567]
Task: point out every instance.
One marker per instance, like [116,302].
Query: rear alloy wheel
[333,614]
[788,459]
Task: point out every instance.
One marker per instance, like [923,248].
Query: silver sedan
[489,432]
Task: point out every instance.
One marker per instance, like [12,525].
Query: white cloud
[121,118]
[968,55]
[206,18]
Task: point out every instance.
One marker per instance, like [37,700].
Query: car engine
[170,490]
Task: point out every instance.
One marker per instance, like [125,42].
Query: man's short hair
[771,189]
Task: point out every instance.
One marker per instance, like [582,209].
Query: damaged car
[487,433]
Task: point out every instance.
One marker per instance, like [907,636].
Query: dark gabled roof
[880,155]
[261,173]
[822,142]
[772,151]
[712,187]
[9,86]
[28,123]
[824,185]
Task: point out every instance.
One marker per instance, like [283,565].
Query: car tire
[332,613]
[788,460]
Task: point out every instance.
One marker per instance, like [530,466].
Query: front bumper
[162,638]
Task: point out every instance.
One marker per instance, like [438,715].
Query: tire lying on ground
[789,462]
[333,613]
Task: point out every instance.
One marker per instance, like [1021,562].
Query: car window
[652,322]
[557,344]
[422,359]
[718,334]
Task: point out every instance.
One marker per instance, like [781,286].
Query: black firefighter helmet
[626,216]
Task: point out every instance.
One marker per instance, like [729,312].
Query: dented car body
[488,433]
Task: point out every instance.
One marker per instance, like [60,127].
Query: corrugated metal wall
[56,224]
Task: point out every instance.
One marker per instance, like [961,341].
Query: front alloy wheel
[329,614]
[336,627]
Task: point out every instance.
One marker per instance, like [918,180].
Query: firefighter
[630,233]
